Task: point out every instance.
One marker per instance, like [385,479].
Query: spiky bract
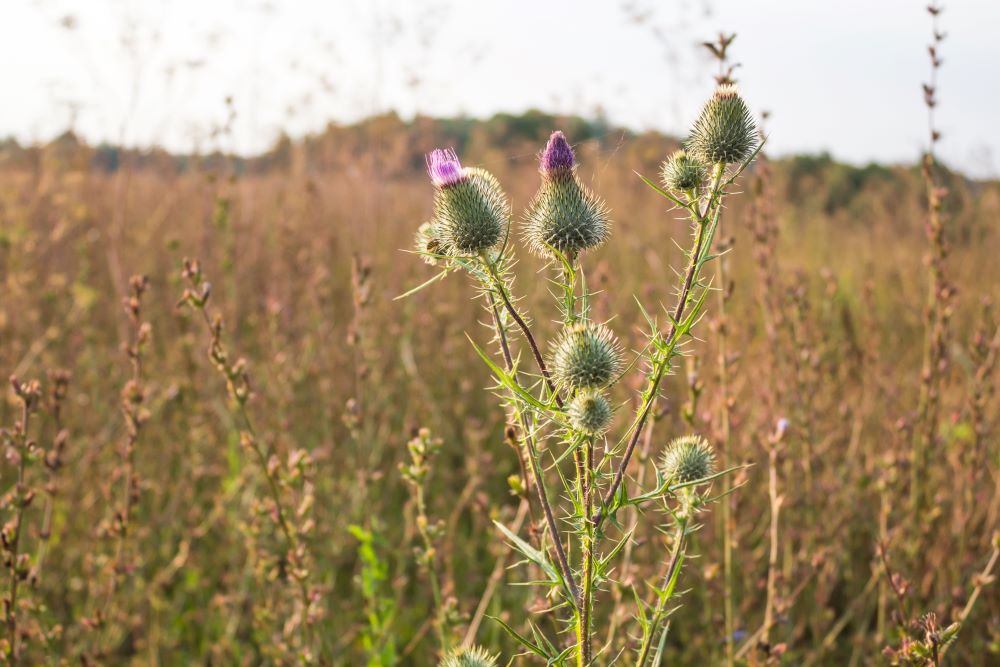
[682,172]
[725,131]
[687,459]
[468,657]
[590,412]
[470,215]
[586,356]
[564,213]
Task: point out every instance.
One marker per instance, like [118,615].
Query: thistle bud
[470,207]
[687,459]
[725,131]
[590,412]
[683,172]
[427,242]
[468,657]
[586,357]
[564,213]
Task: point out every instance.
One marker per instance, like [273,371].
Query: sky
[839,76]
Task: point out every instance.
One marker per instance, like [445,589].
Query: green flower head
[590,412]
[586,356]
[468,657]
[687,459]
[725,132]
[683,172]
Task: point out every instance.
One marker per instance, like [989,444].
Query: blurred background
[838,78]
[281,144]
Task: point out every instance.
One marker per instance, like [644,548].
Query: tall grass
[824,335]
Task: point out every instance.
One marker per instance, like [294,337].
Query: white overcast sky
[837,75]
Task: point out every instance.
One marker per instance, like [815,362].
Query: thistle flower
[470,207]
[444,168]
[586,357]
[725,131]
[564,213]
[468,657]
[590,412]
[687,459]
[683,172]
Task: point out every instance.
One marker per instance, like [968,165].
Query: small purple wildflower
[558,154]
[444,167]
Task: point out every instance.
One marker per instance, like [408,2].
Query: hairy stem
[536,471]
[535,350]
[662,363]
[669,581]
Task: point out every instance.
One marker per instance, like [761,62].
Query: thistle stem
[535,351]
[662,362]
[536,471]
[584,648]
[669,581]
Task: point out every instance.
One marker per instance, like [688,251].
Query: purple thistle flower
[558,154]
[444,167]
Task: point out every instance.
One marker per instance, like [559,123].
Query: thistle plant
[558,397]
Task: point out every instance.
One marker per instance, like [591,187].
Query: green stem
[661,362]
[584,619]
[669,583]
[536,470]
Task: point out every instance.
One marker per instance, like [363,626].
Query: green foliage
[378,638]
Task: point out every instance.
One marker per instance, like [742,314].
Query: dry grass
[823,328]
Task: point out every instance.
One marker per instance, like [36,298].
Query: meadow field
[154,515]
[517,389]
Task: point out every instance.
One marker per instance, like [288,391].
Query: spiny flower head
[564,213]
[586,356]
[725,132]
[687,459]
[468,657]
[443,167]
[683,172]
[590,412]
[470,208]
